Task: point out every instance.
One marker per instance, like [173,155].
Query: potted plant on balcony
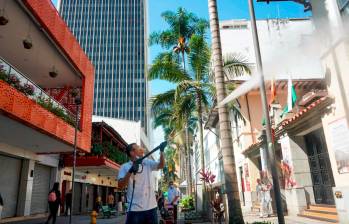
[28,89]
[3,75]
[14,81]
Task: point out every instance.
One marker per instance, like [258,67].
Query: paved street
[76,220]
[249,218]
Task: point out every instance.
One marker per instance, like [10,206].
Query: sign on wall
[340,144]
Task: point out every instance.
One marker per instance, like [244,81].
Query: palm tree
[182,25]
[234,207]
[177,120]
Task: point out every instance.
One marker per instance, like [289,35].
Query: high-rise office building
[113,34]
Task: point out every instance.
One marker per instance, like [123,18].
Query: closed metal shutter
[77,198]
[41,188]
[90,197]
[10,170]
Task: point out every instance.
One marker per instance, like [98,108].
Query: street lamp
[270,144]
[77,104]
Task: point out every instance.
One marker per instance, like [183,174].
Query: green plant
[187,203]
[109,150]
[3,75]
[97,149]
[48,105]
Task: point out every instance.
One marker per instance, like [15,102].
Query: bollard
[93,217]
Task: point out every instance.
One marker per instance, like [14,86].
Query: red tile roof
[252,147]
[303,112]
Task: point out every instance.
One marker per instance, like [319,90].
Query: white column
[25,188]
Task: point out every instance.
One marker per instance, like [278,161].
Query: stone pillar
[295,153]
[25,188]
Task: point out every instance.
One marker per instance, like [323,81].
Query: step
[319,218]
[320,215]
[320,212]
[326,208]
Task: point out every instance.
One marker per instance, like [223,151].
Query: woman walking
[54,200]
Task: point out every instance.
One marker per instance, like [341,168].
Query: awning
[94,164]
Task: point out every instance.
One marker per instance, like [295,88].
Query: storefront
[41,188]
[309,181]
[94,177]
[11,177]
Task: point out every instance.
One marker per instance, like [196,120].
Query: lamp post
[270,144]
[77,104]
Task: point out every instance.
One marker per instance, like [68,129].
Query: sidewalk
[81,219]
[253,217]
[84,219]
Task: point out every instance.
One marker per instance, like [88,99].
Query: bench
[107,212]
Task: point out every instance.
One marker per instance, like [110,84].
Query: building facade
[96,172]
[38,53]
[113,34]
[311,141]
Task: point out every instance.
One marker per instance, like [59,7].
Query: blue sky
[227,9]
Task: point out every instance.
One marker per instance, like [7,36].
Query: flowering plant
[14,81]
[28,89]
[3,75]
[207,176]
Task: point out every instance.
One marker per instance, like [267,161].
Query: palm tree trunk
[187,145]
[201,132]
[188,162]
[231,185]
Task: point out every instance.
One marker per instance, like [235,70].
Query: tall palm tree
[234,207]
[176,118]
[182,26]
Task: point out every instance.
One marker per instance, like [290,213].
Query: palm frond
[162,101]
[166,39]
[235,65]
[166,67]
[199,56]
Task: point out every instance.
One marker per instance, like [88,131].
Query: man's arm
[123,182]
[162,160]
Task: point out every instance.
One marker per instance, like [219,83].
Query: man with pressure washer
[137,176]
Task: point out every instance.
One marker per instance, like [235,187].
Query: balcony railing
[18,80]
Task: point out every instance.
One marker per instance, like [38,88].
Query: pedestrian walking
[68,200]
[173,198]
[264,186]
[54,201]
[1,205]
[142,206]
[98,203]
[111,200]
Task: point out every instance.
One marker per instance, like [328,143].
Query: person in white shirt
[173,198]
[142,208]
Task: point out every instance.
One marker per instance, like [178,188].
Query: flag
[291,97]
[272,99]
[272,92]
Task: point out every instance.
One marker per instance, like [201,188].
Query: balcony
[36,82]
[19,81]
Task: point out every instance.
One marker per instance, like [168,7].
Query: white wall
[286,46]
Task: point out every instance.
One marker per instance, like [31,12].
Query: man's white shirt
[144,194]
[172,193]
